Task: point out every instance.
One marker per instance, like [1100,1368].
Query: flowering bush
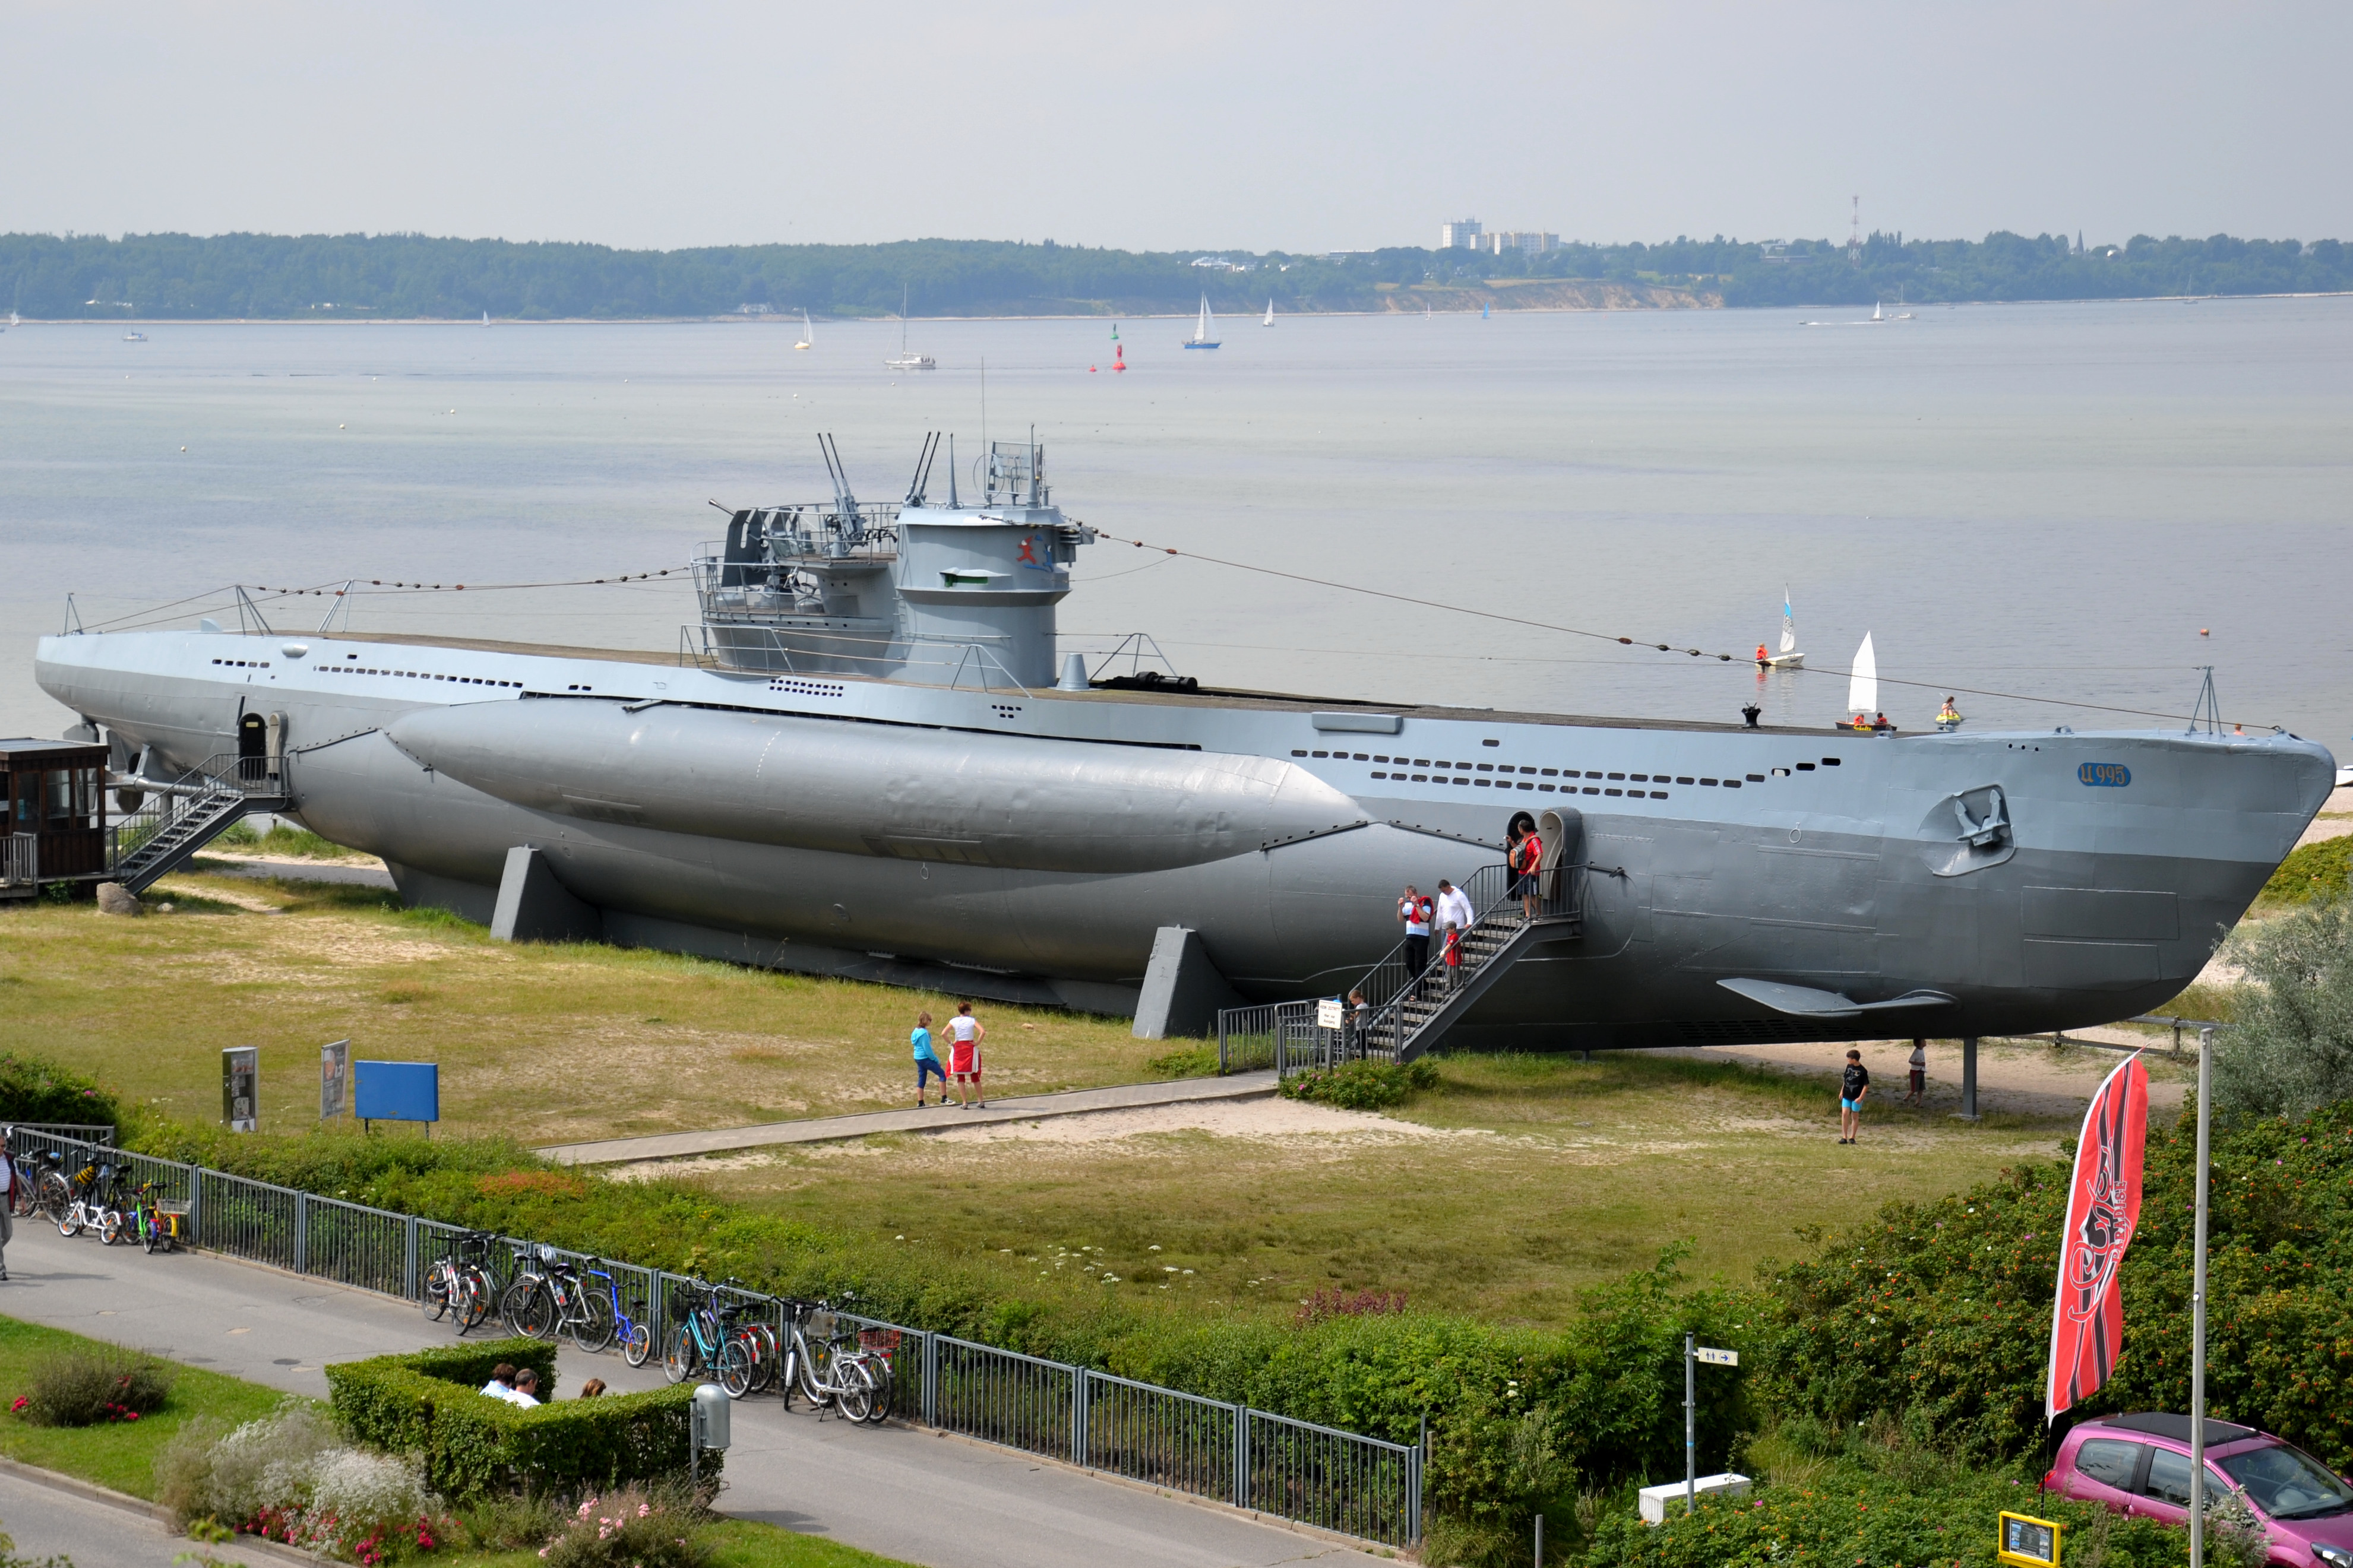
[629,1529]
[290,1478]
[1338,1303]
[89,1387]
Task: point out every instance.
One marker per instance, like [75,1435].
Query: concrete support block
[1182,989]
[534,906]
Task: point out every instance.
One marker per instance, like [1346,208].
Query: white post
[1691,1429]
[2197,1320]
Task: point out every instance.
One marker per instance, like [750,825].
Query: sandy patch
[2021,1078]
[1273,1117]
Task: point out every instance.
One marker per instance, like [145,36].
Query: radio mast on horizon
[1854,235]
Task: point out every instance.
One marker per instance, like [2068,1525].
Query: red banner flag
[2087,1322]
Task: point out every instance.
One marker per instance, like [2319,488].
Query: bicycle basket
[177,1211]
[885,1339]
[821,1325]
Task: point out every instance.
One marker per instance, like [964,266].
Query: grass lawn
[1502,1192]
[120,1455]
[548,1043]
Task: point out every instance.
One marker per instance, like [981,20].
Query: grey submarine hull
[1027,845]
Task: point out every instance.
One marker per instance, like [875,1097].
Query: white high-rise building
[1503,241]
[1458,235]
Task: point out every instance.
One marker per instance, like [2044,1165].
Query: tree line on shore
[388,277]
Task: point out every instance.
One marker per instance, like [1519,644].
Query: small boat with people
[1788,658]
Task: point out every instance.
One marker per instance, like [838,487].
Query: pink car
[2140,1465]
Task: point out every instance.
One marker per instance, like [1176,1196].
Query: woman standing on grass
[965,1034]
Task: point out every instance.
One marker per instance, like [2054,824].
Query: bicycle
[831,1366]
[458,1285]
[89,1199]
[636,1335]
[24,1191]
[52,1191]
[582,1315]
[702,1344]
[155,1223]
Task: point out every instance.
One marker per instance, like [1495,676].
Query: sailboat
[486,318]
[1202,338]
[808,334]
[1485,310]
[1788,658]
[1862,687]
[1269,313]
[903,360]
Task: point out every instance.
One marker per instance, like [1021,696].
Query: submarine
[871,759]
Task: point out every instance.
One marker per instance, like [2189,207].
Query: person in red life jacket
[1861,724]
[1764,660]
[1414,910]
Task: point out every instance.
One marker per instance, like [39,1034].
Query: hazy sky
[1283,126]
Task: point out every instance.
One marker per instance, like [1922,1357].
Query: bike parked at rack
[702,1344]
[830,1367]
[457,1286]
[91,1203]
[157,1224]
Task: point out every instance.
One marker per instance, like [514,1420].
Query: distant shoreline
[780,319]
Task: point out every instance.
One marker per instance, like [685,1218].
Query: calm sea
[2074,503]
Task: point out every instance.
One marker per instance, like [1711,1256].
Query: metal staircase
[183,817]
[1403,1013]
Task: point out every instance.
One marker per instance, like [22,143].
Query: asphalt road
[907,1494]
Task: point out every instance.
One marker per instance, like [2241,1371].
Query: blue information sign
[396,1091]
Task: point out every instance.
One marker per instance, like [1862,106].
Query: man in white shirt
[526,1390]
[1454,907]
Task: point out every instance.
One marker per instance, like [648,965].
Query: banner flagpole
[2198,1321]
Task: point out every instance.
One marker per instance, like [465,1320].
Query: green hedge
[428,1403]
[1946,1306]
[32,1090]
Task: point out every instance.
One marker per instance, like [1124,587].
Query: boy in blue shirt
[926,1064]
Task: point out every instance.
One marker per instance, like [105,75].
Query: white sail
[808,334]
[1201,332]
[1862,684]
[1788,623]
[1269,313]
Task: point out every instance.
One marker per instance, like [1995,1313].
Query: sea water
[2077,506]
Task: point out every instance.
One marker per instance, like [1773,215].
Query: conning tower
[909,590]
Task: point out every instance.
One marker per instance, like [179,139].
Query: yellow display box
[2028,1543]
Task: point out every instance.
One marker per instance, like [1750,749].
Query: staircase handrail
[1556,890]
[1392,962]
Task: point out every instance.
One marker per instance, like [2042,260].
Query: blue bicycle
[702,1344]
[636,1335]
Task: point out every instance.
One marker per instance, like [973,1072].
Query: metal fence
[1339,1481]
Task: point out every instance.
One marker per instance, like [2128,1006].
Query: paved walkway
[913,1495]
[830,1129]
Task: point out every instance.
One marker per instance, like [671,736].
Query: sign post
[334,1072]
[241,1088]
[1327,1013]
[2025,1543]
[1694,1353]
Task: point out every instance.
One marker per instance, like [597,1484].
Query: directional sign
[1719,1358]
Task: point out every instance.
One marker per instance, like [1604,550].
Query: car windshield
[2285,1484]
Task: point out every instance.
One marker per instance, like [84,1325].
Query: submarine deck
[1263,701]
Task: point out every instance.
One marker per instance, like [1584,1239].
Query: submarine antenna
[2207,706]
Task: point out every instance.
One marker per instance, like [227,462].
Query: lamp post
[2198,1316]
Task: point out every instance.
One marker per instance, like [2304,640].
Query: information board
[396,1091]
[2028,1543]
[1327,1013]
[241,1088]
[335,1073]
